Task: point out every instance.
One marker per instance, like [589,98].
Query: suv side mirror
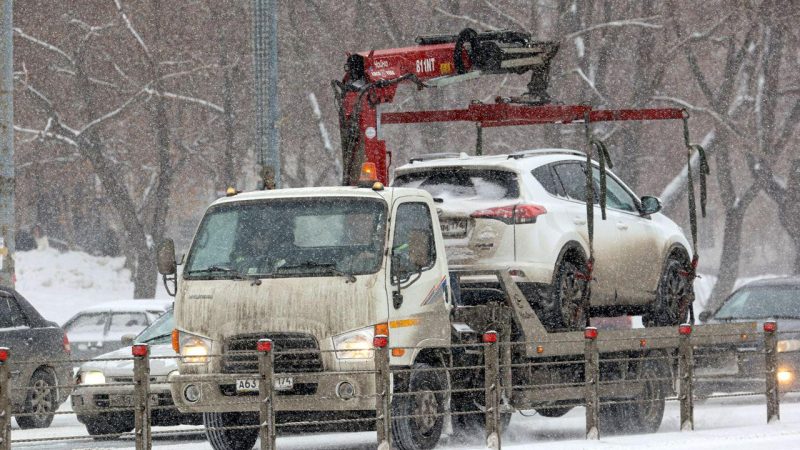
[704,316]
[650,204]
[127,339]
[419,249]
[166,258]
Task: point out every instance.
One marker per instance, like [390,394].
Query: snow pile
[61,284]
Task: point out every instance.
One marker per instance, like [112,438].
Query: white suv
[526,212]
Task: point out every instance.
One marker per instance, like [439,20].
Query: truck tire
[671,305]
[563,308]
[419,433]
[473,425]
[555,411]
[40,400]
[104,424]
[642,414]
[239,439]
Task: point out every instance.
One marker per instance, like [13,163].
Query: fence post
[5,400]
[141,396]
[383,400]
[686,375]
[771,356]
[491,355]
[266,418]
[591,378]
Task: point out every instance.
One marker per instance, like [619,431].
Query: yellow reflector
[382,329]
[398,352]
[539,349]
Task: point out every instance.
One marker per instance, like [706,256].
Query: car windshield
[463,184]
[763,302]
[160,332]
[87,327]
[289,237]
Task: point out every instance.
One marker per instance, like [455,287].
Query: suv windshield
[160,332]
[289,237]
[765,302]
[463,184]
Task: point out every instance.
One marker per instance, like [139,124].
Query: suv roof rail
[430,156]
[545,151]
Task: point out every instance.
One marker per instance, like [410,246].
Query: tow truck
[346,264]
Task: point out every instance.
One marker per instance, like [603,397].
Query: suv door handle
[622,225]
[579,221]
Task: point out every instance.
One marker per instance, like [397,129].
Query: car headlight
[91,377]
[788,345]
[355,344]
[194,349]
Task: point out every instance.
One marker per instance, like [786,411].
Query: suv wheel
[564,309]
[41,401]
[673,295]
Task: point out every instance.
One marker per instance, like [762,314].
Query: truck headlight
[355,344]
[194,349]
[788,345]
[91,377]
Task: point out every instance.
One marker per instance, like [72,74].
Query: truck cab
[317,270]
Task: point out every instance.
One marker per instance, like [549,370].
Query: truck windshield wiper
[326,267]
[220,269]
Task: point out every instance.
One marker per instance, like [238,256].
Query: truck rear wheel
[642,414]
[223,439]
[418,418]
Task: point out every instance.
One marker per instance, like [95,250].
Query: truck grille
[294,352]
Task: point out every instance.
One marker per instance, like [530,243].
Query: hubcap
[41,398]
[426,408]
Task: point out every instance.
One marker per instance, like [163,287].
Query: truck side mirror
[419,249]
[704,316]
[166,258]
[127,339]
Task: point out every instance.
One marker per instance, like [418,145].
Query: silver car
[97,392]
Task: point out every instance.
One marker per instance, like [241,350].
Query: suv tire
[564,309]
[674,292]
[40,400]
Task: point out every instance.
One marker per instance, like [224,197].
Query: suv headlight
[788,345]
[194,349]
[91,377]
[355,344]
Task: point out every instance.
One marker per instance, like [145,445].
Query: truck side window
[412,219]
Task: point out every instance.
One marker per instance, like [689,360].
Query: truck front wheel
[418,410]
[221,438]
[642,414]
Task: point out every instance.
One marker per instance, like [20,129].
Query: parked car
[98,329]
[526,212]
[30,337]
[89,400]
[742,368]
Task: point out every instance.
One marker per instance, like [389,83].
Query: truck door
[419,295]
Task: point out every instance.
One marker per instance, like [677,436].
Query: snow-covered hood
[124,367]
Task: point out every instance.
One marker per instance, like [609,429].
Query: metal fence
[499,392]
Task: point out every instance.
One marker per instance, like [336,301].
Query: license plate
[454,227]
[279,384]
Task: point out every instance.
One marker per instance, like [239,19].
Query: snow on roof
[527,159]
[131,305]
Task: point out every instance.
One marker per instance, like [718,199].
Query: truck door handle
[579,221]
[622,225]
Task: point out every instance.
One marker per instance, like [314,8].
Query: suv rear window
[463,183]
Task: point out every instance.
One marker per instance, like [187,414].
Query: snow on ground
[732,423]
[61,284]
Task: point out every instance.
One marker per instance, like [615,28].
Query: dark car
[742,368]
[32,338]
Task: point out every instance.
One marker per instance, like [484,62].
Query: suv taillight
[513,214]
[65,343]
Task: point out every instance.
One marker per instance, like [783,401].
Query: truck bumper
[312,392]
[91,403]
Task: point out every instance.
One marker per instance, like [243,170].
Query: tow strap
[691,274]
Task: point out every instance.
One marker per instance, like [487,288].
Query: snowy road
[738,423]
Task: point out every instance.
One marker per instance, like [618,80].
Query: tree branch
[719,118]
[44,44]
[466,18]
[132,30]
[638,22]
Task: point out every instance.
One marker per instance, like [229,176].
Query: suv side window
[573,178]
[410,217]
[545,176]
[617,197]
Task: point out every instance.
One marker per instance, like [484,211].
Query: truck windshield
[765,302]
[289,238]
